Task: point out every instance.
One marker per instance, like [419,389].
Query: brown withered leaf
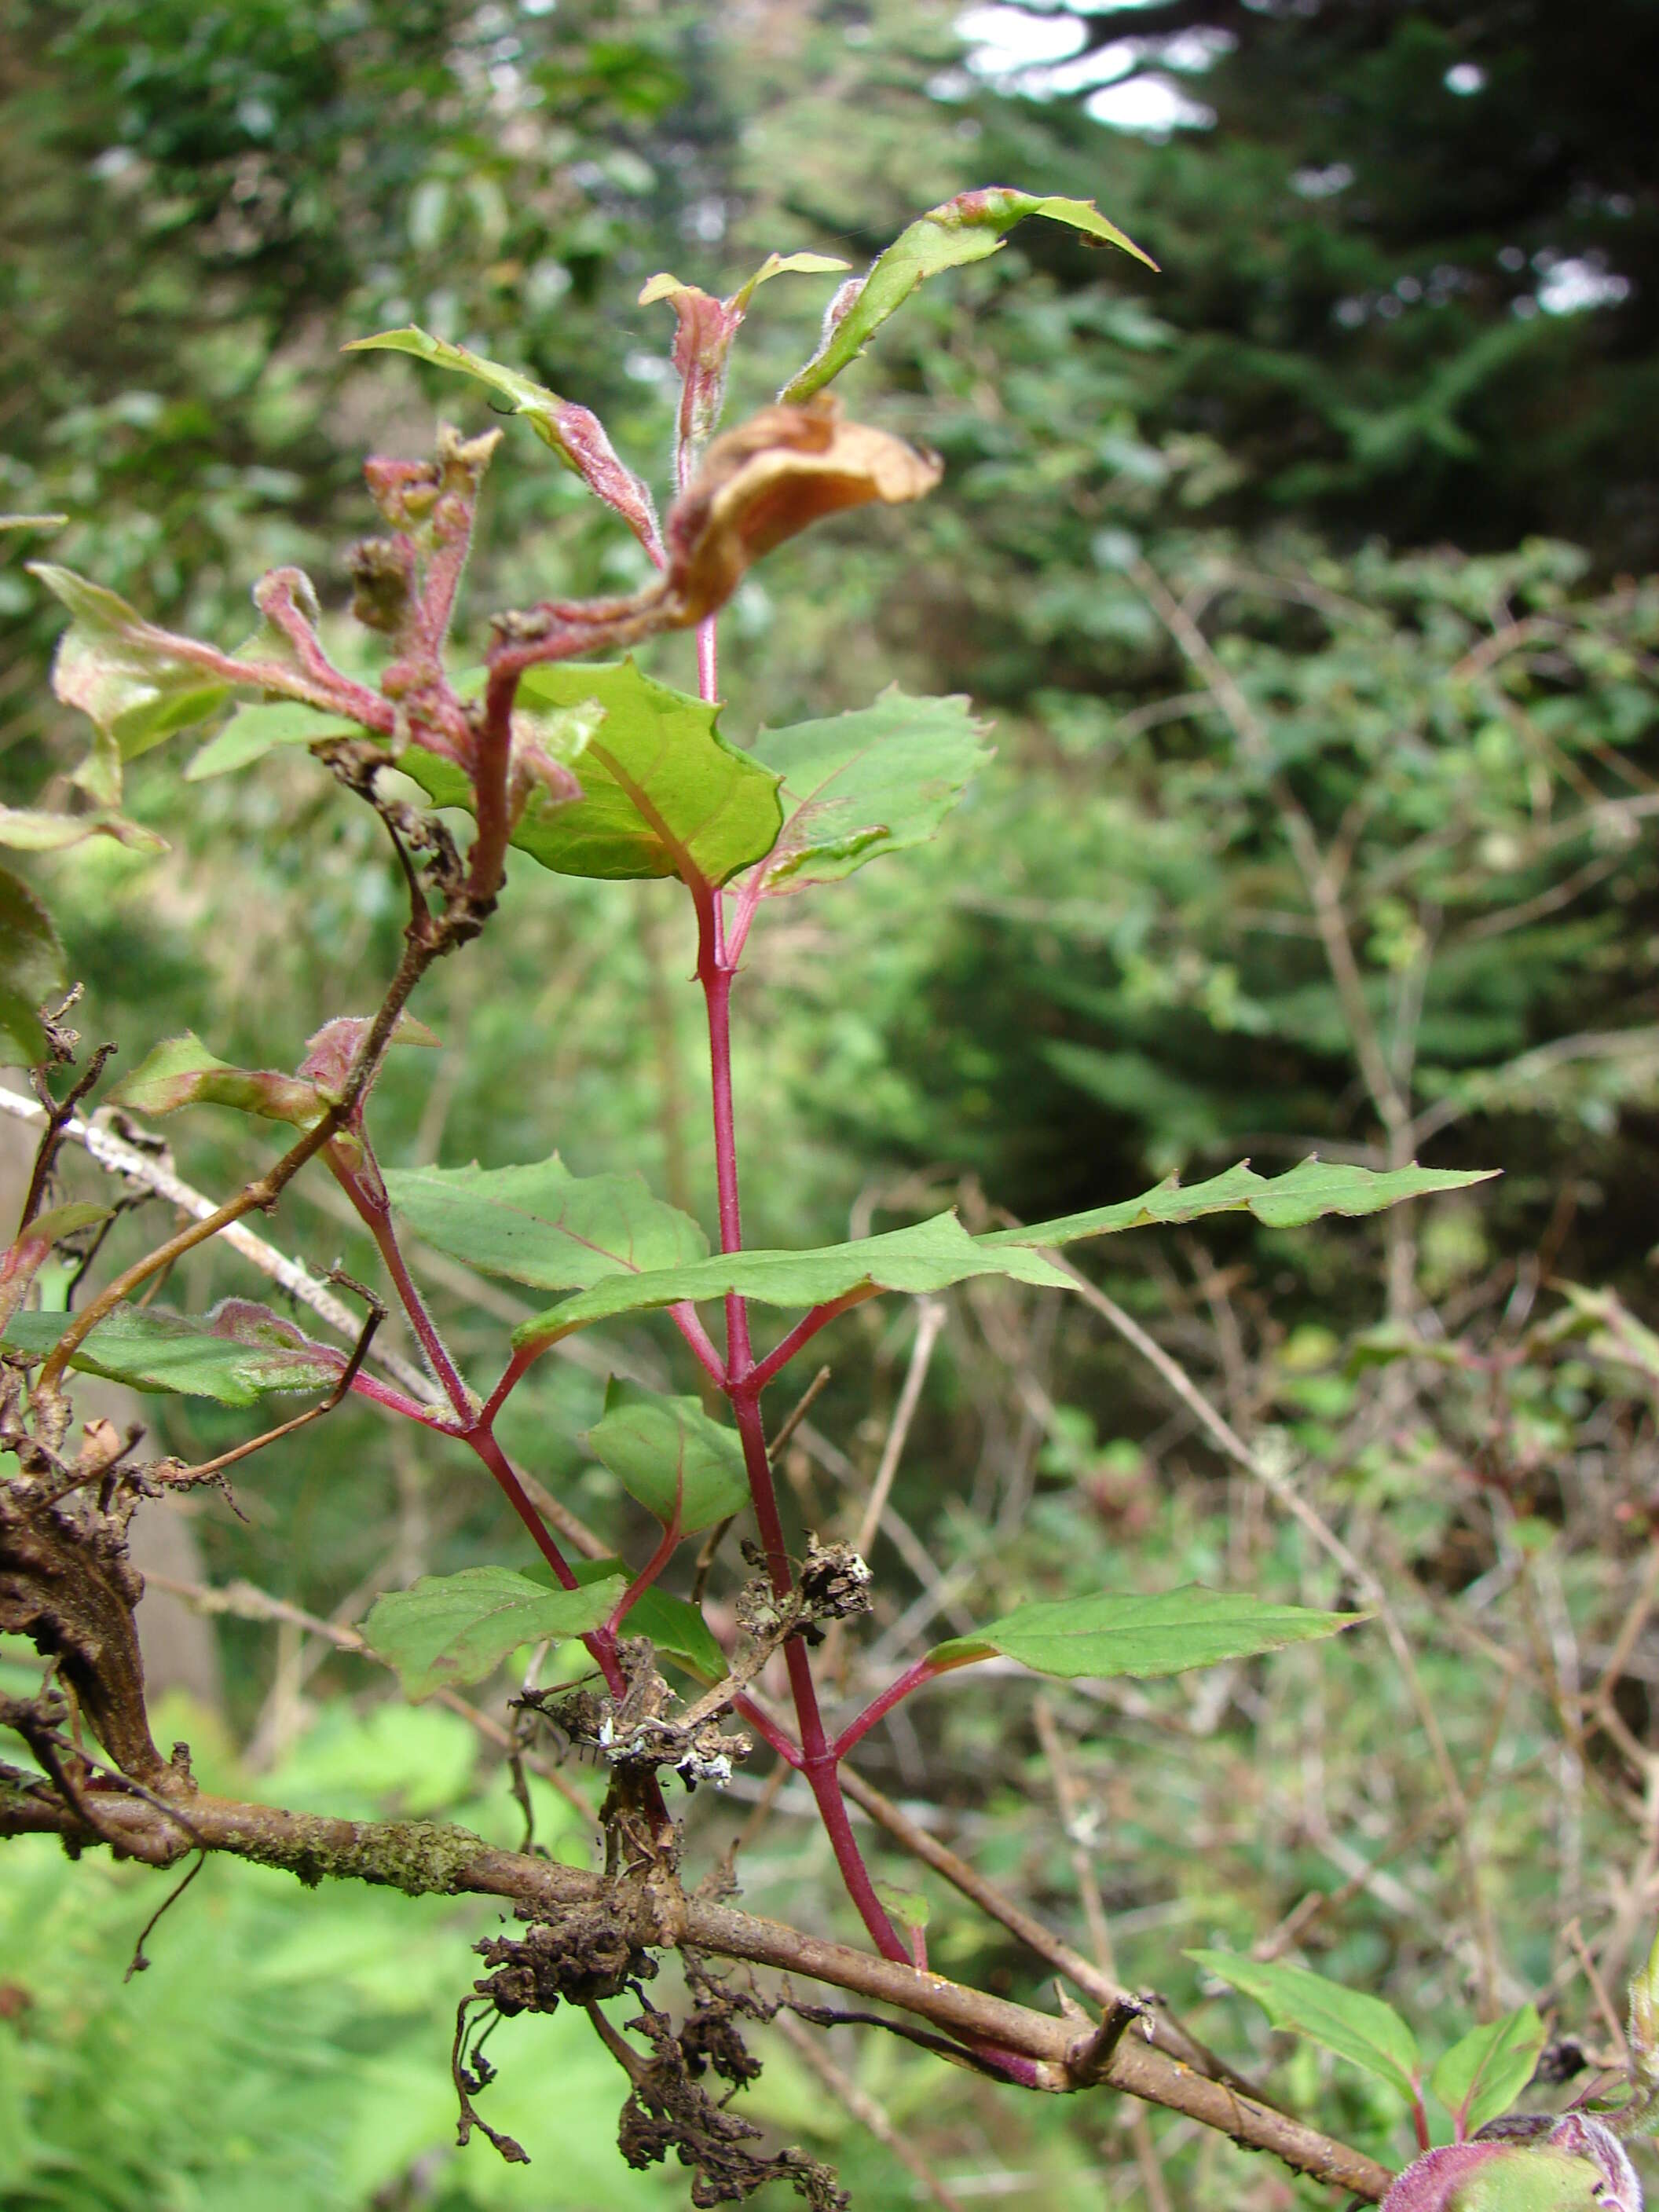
[761,483]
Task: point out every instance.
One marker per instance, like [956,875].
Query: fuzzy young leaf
[663,793]
[1576,2165]
[966,229]
[676,1629]
[31,971]
[929,1256]
[1481,2076]
[670,1455]
[449,1630]
[861,784]
[124,675]
[541,1225]
[1312,1188]
[1362,2029]
[252,732]
[181,1072]
[575,434]
[1124,1634]
[240,1354]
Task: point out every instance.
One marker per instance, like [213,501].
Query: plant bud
[1580,2165]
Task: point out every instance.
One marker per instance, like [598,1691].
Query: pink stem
[898,1689]
[684,1318]
[382,1394]
[708,661]
[602,1644]
[368,1195]
[767,1729]
[514,1372]
[647,1574]
[806,1329]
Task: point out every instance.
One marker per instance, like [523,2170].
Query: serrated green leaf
[861,784]
[1115,1633]
[449,1630]
[663,793]
[1313,1187]
[676,1629]
[181,1072]
[1360,2028]
[32,972]
[229,1357]
[966,229]
[542,1225]
[252,732]
[929,1256]
[1482,2075]
[668,1453]
[31,829]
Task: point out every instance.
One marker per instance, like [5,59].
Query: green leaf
[240,1354]
[667,1453]
[929,1256]
[1359,2028]
[861,784]
[541,407]
[575,434]
[119,670]
[676,1629]
[908,1907]
[30,830]
[181,1072]
[1313,1187]
[31,971]
[663,793]
[1481,2076]
[63,1221]
[1124,1634]
[448,1629]
[252,732]
[966,229]
[541,1225]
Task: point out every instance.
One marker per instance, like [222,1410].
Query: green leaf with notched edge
[449,1630]
[1359,2028]
[252,732]
[32,972]
[872,781]
[541,1225]
[667,1453]
[154,1350]
[1124,1634]
[678,1630]
[663,793]
[1313,1187]
[1481,2076]
[929,1256]
[181,1072]
[965,228]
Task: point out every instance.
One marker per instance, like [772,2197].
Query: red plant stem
[647,1574]
[806,1329]
[896,1691]
[684,1318]
[367,1194]
[601,1645]
[491,771]
[382,1394]
[513,1373]
[767,1729]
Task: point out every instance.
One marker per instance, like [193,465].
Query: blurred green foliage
[1358,433]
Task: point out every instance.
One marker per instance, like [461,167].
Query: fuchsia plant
[597,770]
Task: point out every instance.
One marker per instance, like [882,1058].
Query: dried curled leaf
[770,477]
